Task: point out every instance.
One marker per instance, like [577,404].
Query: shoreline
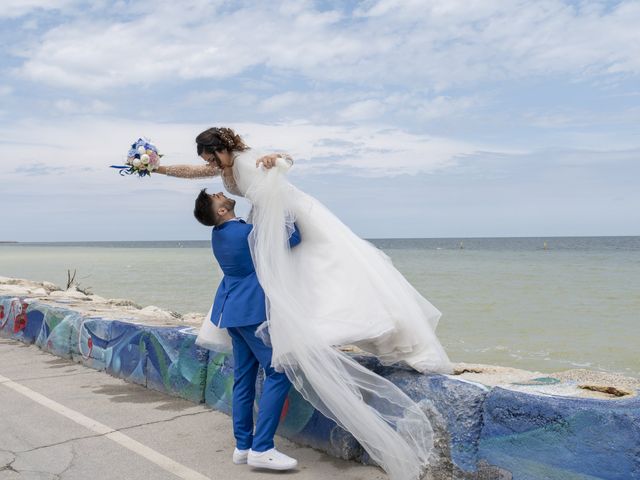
[576,382]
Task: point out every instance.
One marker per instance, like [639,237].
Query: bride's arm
[188,171]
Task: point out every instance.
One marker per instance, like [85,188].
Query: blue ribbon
[129,170]
[124,169]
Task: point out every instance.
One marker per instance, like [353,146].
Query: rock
[71,293]
[123,302]
[50,287]
[11,281]
[544,436]
[156,312]
[609,384]
[193,317]
[493,374]
[14,290]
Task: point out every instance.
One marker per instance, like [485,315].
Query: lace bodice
[230,183]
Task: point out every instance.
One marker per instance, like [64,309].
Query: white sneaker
[240,456]
[271,459]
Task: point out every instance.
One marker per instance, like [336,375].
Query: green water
[504,301]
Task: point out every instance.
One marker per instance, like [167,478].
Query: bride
[353,293]
[333,289]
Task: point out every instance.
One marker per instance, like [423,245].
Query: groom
[239,306]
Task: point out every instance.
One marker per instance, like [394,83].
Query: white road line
[150,454]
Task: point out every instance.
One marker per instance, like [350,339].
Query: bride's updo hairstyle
[217,139]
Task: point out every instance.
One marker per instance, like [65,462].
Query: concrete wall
[482,432]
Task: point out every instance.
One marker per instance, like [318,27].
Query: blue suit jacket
[240,299]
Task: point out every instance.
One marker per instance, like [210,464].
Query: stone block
[538,437]
[126,355]
[175,364]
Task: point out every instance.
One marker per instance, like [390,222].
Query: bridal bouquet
[142,159]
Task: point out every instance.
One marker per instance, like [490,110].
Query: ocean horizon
[522,241]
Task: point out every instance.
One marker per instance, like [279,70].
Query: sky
[407,118]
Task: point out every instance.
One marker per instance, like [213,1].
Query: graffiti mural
[480,431]
[535,436]
[175,364]
[128,352]
[219,384]
[19,321]
[55,335]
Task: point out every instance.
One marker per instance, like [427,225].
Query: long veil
[388,424]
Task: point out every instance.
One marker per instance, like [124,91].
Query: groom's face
[222,204]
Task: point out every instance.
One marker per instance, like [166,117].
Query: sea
[547,304]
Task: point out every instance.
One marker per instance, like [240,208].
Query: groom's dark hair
[204,209]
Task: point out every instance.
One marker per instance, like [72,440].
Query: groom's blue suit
[239,306]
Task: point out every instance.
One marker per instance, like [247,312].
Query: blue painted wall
[481,432]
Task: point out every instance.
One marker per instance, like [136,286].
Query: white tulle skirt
[335,289]
[354,295]
[351,291]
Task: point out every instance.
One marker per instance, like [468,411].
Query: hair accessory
[226,137]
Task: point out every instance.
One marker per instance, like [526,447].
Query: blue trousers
[249,352]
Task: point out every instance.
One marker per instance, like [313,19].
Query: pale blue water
[505,301]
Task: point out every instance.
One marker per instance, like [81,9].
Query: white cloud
[69,106]
[584,157]
[363,110]
[85,147]
[18,8]
[421,44]
[439,89]
[284,101]
[563,117]
[351,106]
[440,106]
[63,167]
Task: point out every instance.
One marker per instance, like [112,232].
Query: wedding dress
[334,289]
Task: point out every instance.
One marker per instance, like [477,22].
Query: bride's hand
[269,161]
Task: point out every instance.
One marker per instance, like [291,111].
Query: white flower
[136,162]
[144,158]
[141,150]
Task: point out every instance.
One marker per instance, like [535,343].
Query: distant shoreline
[522,244]
[528,237]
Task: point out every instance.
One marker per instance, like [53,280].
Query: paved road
[61,420]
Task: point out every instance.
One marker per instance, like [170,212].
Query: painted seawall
[523,427]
